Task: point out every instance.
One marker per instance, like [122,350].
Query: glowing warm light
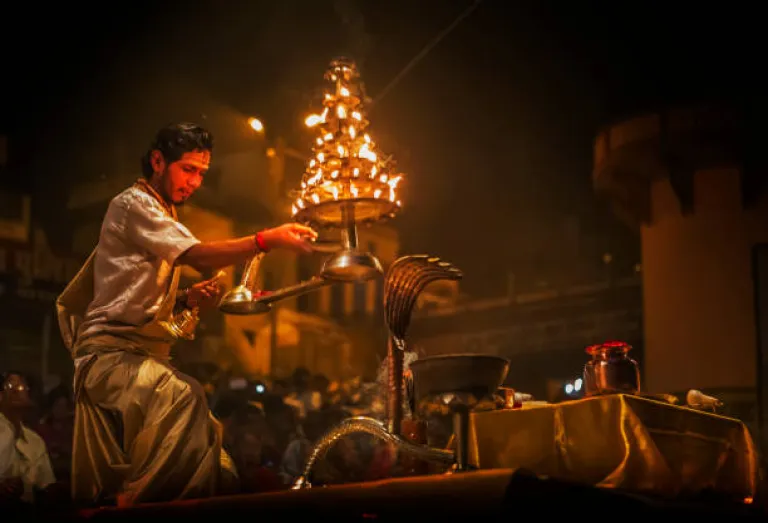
[271,153]
[256,124]
[346,164]
[313,119]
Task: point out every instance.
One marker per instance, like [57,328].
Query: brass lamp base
[351,266]
[335,213]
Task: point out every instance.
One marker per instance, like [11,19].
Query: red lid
[616,343]
[612,344]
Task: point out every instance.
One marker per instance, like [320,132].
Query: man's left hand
[204,294]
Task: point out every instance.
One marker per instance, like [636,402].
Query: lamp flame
[313,120]
[346,165]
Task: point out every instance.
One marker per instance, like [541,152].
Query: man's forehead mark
[198,158]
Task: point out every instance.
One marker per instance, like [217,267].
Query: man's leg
[165,430]
[98,461]
[172,441]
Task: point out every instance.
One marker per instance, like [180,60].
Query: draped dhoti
[143,432]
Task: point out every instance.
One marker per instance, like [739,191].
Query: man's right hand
[290,236]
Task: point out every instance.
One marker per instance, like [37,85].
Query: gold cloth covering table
[620,441]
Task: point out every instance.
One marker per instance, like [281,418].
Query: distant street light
[256,125]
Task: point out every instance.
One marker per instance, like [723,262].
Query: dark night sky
[494,127]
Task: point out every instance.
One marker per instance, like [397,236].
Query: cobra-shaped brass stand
[405,280]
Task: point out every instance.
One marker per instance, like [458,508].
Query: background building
[34,267]
[542,333]
[692,181]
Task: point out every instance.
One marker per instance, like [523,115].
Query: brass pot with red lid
[611,370]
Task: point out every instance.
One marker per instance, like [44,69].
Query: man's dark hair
[173,141]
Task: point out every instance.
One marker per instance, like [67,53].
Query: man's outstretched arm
[223,253]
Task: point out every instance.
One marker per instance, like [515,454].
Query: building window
[337,301]
[304,272]
[11,206]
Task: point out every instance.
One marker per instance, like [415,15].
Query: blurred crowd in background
[269,428]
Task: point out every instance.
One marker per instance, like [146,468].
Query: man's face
[15,392]
[183,177]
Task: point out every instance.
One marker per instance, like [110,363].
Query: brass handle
[312,284]
[247,299]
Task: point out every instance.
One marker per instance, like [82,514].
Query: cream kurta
[143,431]
[138,246]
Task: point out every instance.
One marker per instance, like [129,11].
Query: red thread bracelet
[260,242]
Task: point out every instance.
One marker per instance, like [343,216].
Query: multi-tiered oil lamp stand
[347,182]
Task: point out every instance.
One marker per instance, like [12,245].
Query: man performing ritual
[143,431]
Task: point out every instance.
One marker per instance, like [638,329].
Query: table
[621,441]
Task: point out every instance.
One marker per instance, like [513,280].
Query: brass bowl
[478,375]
